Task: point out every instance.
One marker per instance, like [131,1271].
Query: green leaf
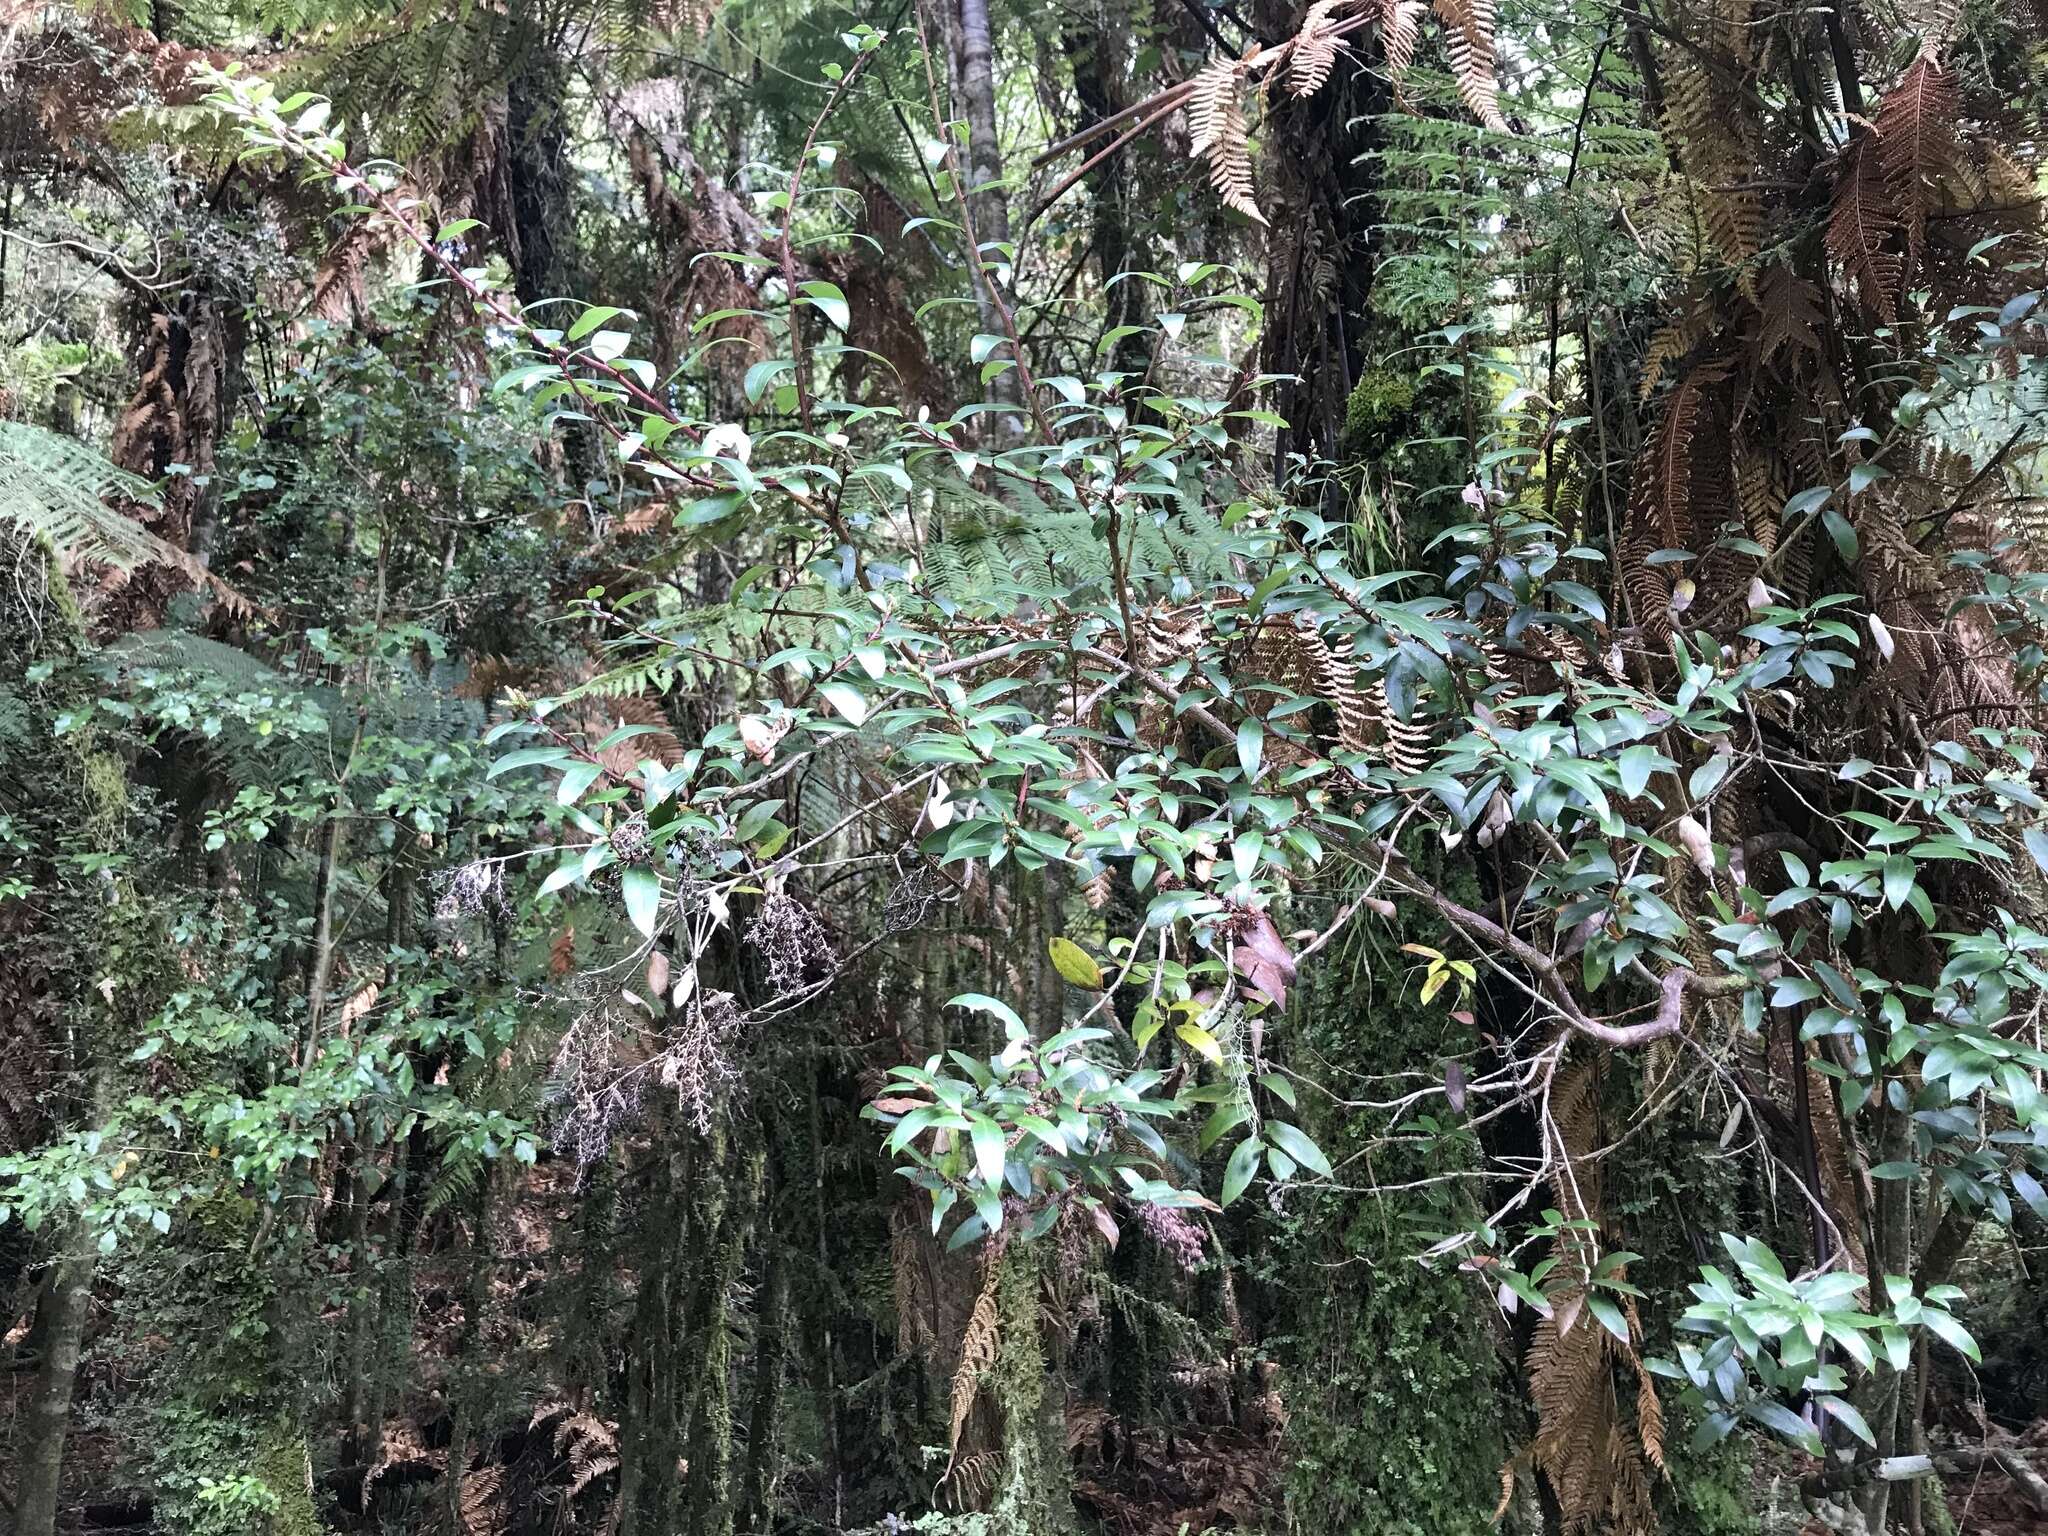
[988,1205]
[989,1151]
[763,373]
[2028,1188]
[1839,530]
[1237,1174]
[1227,1118]
[1251,745]
[981,1002]
[846,701]
[1295,1144]
[830,299]
[1075,965]
[1709,774]
[1611,1317]
[590,320]
[1777,1416]
[1849,1417]
[1636,765]
[1899,875]
[1951,1332]
[1279,1087]
[576,778]
[1808,500]
[642,889]
[528,757]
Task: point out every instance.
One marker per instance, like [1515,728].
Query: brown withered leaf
[1262,957]
[901,1106]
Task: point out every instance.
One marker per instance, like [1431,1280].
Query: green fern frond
[179,650]
[54,487]
[461,1171]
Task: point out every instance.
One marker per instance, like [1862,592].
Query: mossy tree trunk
[82,791]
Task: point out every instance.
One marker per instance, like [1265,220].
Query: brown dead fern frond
[1686,467]
[1864,225]
[979,1346]
[1468,36]
[1676,339]
[1597,1464]
[1217,131]
[1316,48]
[1789,311]
[1399,28]
[1916,140]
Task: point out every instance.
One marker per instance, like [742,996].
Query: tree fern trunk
[711,1417]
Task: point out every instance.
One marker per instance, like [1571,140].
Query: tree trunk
[764,1420]
[987,202]
[470,1372]
[60,1330]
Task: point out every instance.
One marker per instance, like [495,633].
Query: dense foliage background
[1017,767]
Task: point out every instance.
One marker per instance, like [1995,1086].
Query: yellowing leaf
[1075,965]
[1199,1040]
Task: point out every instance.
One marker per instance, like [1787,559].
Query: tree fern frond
[1861,228]
[1315,49]
[53,486]
[1468,30]
[1916,142]
[1398,30]
[1217,132]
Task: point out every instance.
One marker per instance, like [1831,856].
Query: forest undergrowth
[1007,768]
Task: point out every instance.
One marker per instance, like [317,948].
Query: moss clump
[282,1467]
[230,1476]
[1381,399]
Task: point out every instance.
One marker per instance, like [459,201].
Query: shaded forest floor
[549,1466]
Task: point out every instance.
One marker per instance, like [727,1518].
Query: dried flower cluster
[1179,1238]
[911,903]
[591,1098]
[699,1062]
[792,943]
[471,890]
[630,840]
[689,853]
